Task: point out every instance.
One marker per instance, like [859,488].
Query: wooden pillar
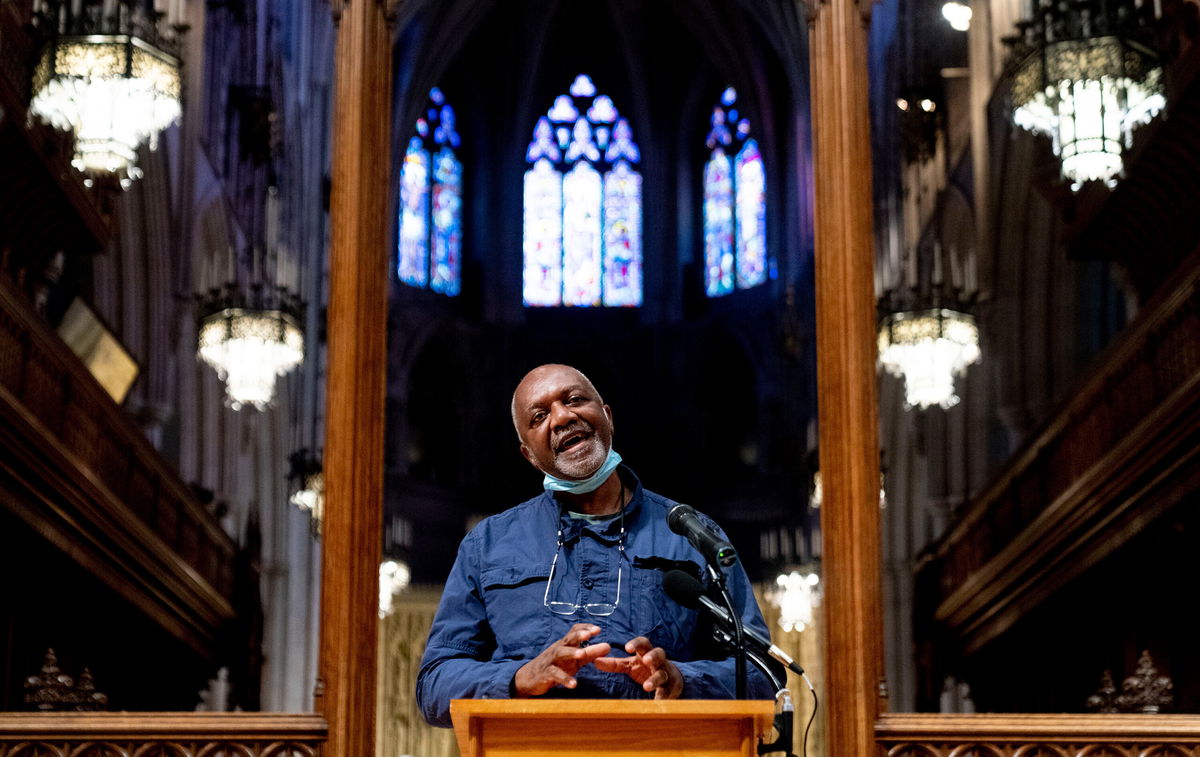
[357,344]
[846,353]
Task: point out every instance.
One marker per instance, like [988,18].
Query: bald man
[562,595]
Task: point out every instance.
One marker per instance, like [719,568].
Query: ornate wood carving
[161,735]
[79,471]
[846,354]
[357,323]
[51,689]
[1124,448]
[1026,735]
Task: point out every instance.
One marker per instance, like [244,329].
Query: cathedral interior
[625,186]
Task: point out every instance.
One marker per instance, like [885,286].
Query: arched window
[430,237]
[735,203]
[583,205]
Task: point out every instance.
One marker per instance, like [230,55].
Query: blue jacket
[492,619]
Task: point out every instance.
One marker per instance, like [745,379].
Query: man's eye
[536,419]
[576,400]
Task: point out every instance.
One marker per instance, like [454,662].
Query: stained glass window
[735,203]
[583,205]
[430,235]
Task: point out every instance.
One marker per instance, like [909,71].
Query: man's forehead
[551,380]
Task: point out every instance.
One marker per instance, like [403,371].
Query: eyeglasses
[598,609]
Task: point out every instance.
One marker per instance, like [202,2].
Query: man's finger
[614,664]
[580,632]
[638,646]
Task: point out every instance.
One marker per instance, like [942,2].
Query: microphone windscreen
[683,588]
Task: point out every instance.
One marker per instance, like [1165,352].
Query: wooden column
[354,414]
[846,352]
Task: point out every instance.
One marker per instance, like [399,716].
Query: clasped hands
[559,662]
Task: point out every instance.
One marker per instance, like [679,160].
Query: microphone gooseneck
[682,519]
[690,593]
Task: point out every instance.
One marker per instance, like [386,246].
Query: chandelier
[796,594]
[1082,76]
[928,348]
[394,577]
[308,486]
[107,73]
[251,341]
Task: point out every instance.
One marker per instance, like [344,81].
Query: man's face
[565,428]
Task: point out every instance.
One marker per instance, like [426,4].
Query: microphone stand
[739,642]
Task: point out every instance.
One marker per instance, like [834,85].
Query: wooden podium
[610,727]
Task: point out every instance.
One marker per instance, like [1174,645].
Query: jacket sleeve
[712,674]
[458,663]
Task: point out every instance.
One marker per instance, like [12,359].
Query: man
[562,595]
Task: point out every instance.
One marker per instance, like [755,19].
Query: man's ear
[608,413]
[525,453]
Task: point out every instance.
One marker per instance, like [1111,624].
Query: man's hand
[559,662]
[649,666]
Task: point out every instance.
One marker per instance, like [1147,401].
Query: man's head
[564,426]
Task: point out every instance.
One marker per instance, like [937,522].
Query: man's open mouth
[573,439]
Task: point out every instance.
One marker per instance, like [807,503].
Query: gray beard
[582,468]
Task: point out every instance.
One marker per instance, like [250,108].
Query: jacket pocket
[512,597]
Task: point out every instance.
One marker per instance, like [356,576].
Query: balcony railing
[1102,466]
[92,484]
[182,734]
[1026,735]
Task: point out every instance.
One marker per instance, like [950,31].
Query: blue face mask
[589,484]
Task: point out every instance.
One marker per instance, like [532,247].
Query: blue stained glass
[622,236]
[563,111]
[448,132]
[429,240]
[751,216]
[414,212]
[718,225]
[583,216]
[582,144]
[602,111]
[543,235]
[447,224]
[542,145]
[582,86]
[622,145]
[720,131]
[581,236]
[735,205]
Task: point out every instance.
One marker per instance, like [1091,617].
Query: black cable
[811,718]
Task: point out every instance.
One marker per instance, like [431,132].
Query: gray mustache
[575,427]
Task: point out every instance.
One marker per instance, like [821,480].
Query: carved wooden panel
[161,735]
[1135,417]
[1038,735]
[93,485]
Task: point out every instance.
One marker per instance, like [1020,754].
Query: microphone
[689,592]
[683,520]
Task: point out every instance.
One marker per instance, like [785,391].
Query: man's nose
[561,415]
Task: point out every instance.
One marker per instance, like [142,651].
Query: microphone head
[683,588]
[675,518]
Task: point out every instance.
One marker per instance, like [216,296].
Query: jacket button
[588,583]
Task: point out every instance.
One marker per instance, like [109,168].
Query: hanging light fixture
[796,594]
[1084,76]
[928,348]
[958,15]
[109,74]
[307,484]
[251,341]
